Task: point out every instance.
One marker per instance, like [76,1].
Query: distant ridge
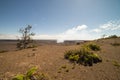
[45,41]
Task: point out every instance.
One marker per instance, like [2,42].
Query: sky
[60,19]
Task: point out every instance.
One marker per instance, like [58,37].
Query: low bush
[31,74]
[113,36]
[78,43]
[2,51]
[115,44]
[63,67]
[72,55]
[115,63]
[93,46]
[83,56]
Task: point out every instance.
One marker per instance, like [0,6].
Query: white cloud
[111,26]
[82,27]
[45,37]
[96,30]
[76,33]
[81,32]
[106,26]
[8,36]
[75,29]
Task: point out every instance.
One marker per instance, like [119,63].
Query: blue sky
[53,19]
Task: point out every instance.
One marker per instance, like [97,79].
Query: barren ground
[50,59]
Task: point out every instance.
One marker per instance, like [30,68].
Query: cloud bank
[111,25]
[8,36]
[80,32]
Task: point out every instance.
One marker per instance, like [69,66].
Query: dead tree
[25,39]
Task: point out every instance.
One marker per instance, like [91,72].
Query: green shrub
[115,63]
[19,77]
[68,53]
[93,47]
[96,58]
[115,44]
[31,71]
[83,56]
[74,57]
[41,77]
[31,74]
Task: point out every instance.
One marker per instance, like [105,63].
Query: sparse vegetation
[115,63]
[78,43]
[26,40]
[92,46]
[113,36]
[49,59]
[110,37]
[84,56]
[31,74]
[63,68]
[2,51]
[72,55]
[115,44]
